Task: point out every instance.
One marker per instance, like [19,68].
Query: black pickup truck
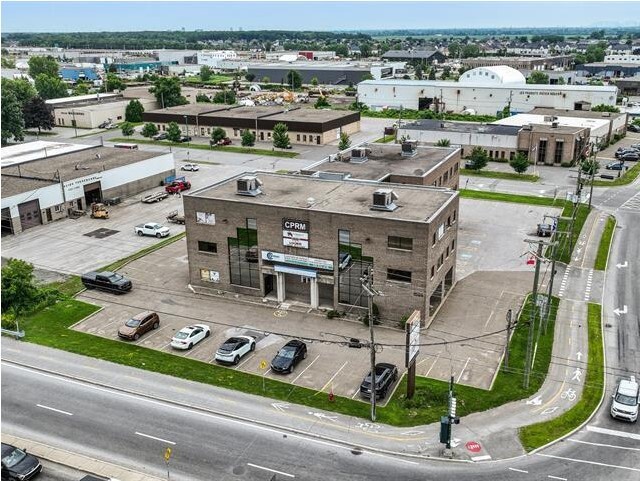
[107,281]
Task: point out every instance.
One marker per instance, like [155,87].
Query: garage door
[29,214]
[7,225]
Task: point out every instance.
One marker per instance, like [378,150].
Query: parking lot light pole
[186,126]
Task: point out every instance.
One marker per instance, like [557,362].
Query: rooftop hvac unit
[383,200]
[550,118]
[409,148]
[554,124]
[359,155]
[249,185]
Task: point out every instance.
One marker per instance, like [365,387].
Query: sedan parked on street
[190,167]
[615,166]
[386,375]
[160,136]
[17,464]
[189,336]
[234,348]
[633,156]
[139,325]
[288,356]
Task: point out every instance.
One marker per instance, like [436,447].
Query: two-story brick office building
[304,239]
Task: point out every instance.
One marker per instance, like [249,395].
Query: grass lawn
[605,243]
[213,80]
[539,434]
[515,198]
[385,140]
[562,250]
[500,175]
[227,148]
[628,177]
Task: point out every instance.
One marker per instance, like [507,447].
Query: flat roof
[80,98]
[508,86]
[585,114]
[387,159]
[69,166]
[39,149]
[310,115]
[348,197]
[526,119]
[463,127]
[190,109]
[245,112]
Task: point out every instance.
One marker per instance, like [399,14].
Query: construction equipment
[99,211]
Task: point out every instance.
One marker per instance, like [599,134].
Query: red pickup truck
[177,186]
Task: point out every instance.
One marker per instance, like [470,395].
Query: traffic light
[445,430]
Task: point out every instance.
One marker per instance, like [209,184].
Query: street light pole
[75,125]
[186,124]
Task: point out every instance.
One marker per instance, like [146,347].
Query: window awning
[295,270]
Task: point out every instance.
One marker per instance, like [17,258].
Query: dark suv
[386,375]
[17,464]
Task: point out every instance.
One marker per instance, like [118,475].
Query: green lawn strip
[213,80]
[515,198]
[73,284]
[500,175]
[32,132]
[385,140]
[227,148]
[628,177]
[605,243]
[50,327]
[539,434]
[563,253]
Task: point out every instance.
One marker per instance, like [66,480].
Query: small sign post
[263,366]
[412,327]
[167,457]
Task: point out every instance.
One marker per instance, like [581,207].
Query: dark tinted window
[405,243]
[398,275]
[210,247]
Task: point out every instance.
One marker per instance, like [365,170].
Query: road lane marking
[54,409]
[305,369]
[271,470]
[486,457]
[556,477]
[588,462]
[613,432]
[519,470]
[157,439]
[603,445]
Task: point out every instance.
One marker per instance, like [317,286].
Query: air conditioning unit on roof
[249,185]
[383,199]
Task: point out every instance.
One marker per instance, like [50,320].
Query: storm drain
[101,233]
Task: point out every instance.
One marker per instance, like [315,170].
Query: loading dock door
[7,225]
[29,214]
[92,193]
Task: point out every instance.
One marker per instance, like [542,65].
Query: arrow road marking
[620,266]
[617,311]
[579,355]
[324,416]
[536,401]
[280,406]
[455,442]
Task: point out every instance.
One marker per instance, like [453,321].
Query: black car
[386,375]
[615,166]
[633,156]
[17,464]
[291,354]
[160,136]
[184,138]
[624,151]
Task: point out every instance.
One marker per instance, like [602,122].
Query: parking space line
[432,365]
[243,363]
[332,378]
[146,338]
[461,372]
[305,369]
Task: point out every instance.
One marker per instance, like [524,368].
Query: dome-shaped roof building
[498,75]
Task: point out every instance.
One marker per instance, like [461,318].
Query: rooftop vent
[359,155]
[409,148]
[383,200]
[249,185]
[550,118]
[554,124]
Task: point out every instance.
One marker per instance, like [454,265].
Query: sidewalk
[77,461]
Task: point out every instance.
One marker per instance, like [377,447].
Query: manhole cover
[279,313]
[238,470]
[101,233]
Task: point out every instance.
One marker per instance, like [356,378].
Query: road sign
[473,447]
[263,364]
[167,454]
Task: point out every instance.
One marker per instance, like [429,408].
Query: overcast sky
[157,15]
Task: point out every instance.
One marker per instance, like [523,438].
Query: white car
[234,348]
[152,229]
[190,167]
[625,400]
[189,336]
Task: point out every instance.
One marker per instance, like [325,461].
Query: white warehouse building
[482,91]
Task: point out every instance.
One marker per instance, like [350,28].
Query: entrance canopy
[295,270]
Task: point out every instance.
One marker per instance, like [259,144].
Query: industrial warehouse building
[306,126]
[308,240]
[47,181]
[405,163]
[482,91]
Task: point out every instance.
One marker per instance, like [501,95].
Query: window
[512,155]
[455,168]
[448,222]
[57,208]
[542,151]
[243,256]
[433,271]
[298,137]
[557,157]
[404,243]
[447,252]
[209,247]
[440,231]
[235,132]
[434,239]
[252,224]
[349,284]
[453,245]
[440,261]
[454,216]
[398,275]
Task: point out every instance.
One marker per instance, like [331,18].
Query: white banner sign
[297,260]
[290,234]
[303,244]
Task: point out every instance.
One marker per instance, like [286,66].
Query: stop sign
[473,446]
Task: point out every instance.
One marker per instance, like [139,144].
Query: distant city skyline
[322,16]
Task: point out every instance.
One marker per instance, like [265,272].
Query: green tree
[294,79]
[248,138]
[37,114]
[173,132]
[418,72]
[314,81]
[12,123]
[225,97]
[250,77]
[43,65]
[50,87]
[366,76]
[432,73]
[538,77]
[365,50]
[266,80]
[20,293]
[590,166]
[149,129]
[205,73]
[605,108]
[455,49]
[470,50]
[597,34]
[134,111]
[281,136]
[113,82]
[202,98]
[520,163]
[168,92]
[321,102]
[218,134]
[127,129]
[478,159]
[20,88]
[345,141]
[443,143]
[81,88]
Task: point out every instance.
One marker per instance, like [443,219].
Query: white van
[625,400]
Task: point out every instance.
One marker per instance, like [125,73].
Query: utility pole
[367,287]
[532,319]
